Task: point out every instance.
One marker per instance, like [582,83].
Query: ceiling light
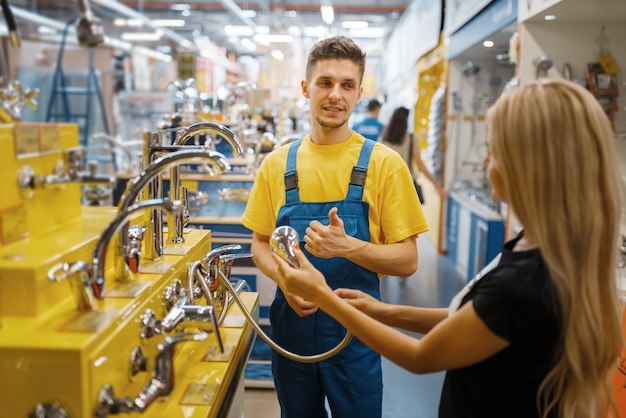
[488,44]
[142,36]
[238,30]
[266,39]
[354,24]
[294,30]
[367,33]
[248,44]
[128,22]
[169,23]
[315,31]
[152,54]
[328,14]
[549,17]
[277,55]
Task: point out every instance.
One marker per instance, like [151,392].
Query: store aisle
[405,394]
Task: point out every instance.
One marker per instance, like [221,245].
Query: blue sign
[493,18]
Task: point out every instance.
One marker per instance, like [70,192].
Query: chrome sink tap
[88,280]
[161,383]
[154,237]
[182,311]
[176,224]
[203,278]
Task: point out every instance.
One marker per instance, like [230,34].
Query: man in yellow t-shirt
[354,206]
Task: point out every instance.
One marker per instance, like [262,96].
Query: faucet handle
[132,253]
[210,257]
[225,262]
[79,275]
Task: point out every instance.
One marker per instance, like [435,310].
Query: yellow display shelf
[53,353]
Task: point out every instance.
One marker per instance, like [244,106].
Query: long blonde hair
[555,149]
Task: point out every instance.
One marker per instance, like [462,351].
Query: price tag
[26,139]
[49,138]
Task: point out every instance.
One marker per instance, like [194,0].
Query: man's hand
[327,241]
[299,305]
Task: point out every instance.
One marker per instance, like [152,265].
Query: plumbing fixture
[11,26]
[542,64]
[208,279]
[154,239]
[182,311]
[175,224]
[13,98]
[161,383]
[28,181]
[469,68]
[89,29]
[122,147]
[138,361]
[49,410]
[88,280]
[283,241]
[217,259]
[156,148]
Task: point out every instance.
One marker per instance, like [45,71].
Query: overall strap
[291,175]
[359,172]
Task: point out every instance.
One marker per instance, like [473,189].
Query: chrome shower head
[469,68]
[283,242]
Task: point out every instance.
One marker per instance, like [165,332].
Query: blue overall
[352,379]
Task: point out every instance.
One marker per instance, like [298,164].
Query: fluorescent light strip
[328,14]
[277,55]
[354,24]
[248,44]
[142,36]
[269,38]
[169,23]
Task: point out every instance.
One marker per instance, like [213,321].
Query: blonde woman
[537,333]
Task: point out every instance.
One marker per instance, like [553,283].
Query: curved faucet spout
[99,253]
[216,128]
[149,176]
[136,185]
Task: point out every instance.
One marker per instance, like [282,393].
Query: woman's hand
[362,301]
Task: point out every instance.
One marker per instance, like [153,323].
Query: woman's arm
[458,341]
[417,157]
[410,318]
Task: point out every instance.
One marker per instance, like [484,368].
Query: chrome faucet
[154,243]
[67,170]
[203,278]
[161,383]
[175,224]
[182,311]
[88,280]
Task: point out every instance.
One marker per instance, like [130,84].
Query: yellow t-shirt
[324,173]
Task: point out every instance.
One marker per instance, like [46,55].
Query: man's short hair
[373,105]
[336,47]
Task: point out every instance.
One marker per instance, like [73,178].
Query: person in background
[370,127]
[396,136]
[346,197]
[537,333]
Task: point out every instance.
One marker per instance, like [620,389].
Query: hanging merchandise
[436,129]
[602,78]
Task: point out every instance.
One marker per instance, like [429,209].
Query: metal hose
[285,353]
